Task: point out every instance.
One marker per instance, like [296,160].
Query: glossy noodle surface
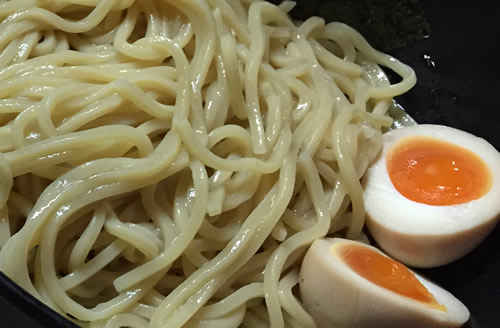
[166,163]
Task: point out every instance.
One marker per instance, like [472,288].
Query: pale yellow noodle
[167,163]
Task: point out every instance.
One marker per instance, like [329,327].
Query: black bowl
[458,70]
[458,73]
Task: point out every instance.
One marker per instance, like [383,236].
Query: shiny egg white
[424,235]
[336,296]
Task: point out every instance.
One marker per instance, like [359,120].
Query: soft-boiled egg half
[432,195]
[346,283]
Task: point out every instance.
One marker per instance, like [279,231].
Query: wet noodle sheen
[166,163]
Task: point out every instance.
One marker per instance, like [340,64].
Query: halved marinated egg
[433,194]
[346,283]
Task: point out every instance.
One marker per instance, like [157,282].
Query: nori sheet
[386,24]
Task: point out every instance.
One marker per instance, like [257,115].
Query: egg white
[424,235]
[336,296]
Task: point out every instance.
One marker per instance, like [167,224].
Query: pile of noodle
[167,163]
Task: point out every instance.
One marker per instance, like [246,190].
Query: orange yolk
[387,273]
[435,172]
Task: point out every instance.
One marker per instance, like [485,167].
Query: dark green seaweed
[386,24]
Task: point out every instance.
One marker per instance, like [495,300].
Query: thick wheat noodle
[167,163]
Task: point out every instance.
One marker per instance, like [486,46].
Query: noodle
[167,163]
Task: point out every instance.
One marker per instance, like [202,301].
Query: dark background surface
[458,70]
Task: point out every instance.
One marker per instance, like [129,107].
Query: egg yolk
[435,172]
[387,273]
